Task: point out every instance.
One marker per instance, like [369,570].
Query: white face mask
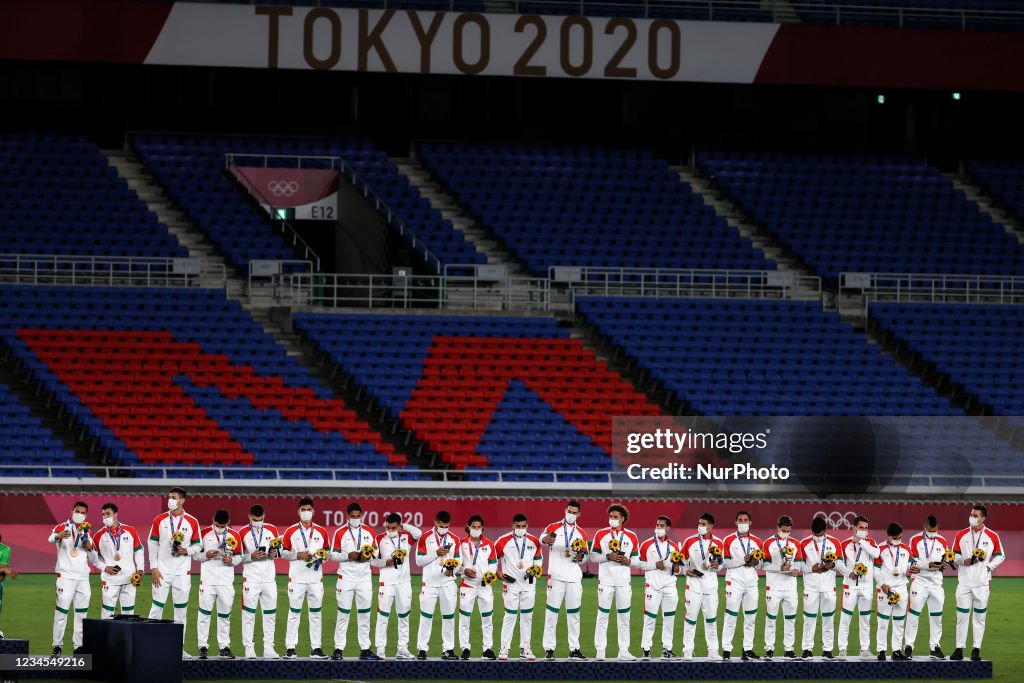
[475,533]
[861,534]
[355,523]
[895,543]
[393,535]
[570,518]
[660,533]
[220,528]
[743,528]
[520,533]
[702,530]
[442,530]
[256,526]
[77,517]
[931,534]
[108,522]
[614,523]
[783,535]
[306,515]
[973,522]
[172,504]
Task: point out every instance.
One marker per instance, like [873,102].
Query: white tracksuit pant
[572,595]
[665,599]
[112,594]
[860,599]
[362,593]
[622,597]
[737,598]
[313,595]
[787,603]
[259,595]
[696,604]
[897,614]
[468,598]
[966,600]
[519,599]
[75,595]
[429,597]
[825,603]
[221,599]
[400,596]
[180,588]
[922,597]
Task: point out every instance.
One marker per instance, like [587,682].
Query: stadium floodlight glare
[284,214]
[880,99]
[957,96]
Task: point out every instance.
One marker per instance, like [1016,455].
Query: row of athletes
[902,579]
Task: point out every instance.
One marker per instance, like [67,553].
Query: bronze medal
[74,553]
[117,557]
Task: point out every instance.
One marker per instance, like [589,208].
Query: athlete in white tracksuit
[259,582]
[395,587]
[171,563]
[74,548]
[478,557]
[517,551]
[783,563]
[299,546]
[819,589]
[891,575]
[858,591]
[974,578]
[217,563]
[702,587]
[118,555]
[565,580]
[434,548]
[355,581]
[614,579]
[659,588]
[742,587]
[926,588]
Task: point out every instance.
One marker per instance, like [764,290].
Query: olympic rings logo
[836,519]
[283,188]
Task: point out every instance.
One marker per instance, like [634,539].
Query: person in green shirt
[5,571]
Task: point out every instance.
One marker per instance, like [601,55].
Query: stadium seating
[192,168]
[993,370]
[498,391]
[183,376]
[59,195]
[988,15]
[588,207]
[27,448]
[1003,180]
[766,358]
[865,214]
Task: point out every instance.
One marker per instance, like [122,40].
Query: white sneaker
[599,656]
[687,655]
[626,656]
[714,657]
[503,654]
[864,654]
[403,653]
[250,653]
[185,655]
[842,654]
[527,654]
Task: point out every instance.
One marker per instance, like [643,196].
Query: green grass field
[28,613]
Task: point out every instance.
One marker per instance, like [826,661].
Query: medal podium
[134,649]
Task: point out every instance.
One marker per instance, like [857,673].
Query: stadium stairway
[973,187]
[177,221]
[440,199]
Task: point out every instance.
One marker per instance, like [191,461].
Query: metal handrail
[339,163]
[286,228]
[932,288]
[678,282]
[743,10]
[92,270]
